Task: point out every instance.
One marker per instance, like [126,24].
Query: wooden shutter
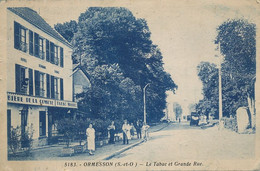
[52,88]
[36,44]
[37,82]
[17,78]
[61,57]
[47,50]
[30,82]
[17,35]
[52,52]
[9,124]
[48,85]
[30,42]
[61,89]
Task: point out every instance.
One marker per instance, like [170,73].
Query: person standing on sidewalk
[91,139]
[126,132]
[145,131]
[139,129]
[111,128]
[132,130]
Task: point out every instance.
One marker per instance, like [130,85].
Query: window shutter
[48,85]
[37,82]
[61,57]
[17,78]
[52,52]
[16,35]
[61,89]
[30,42]
[52,88]
[30,81]
[47,50]
[36,44]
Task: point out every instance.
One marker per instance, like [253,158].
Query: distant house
[81,81]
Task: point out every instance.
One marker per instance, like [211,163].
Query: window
[20,37]
[41,49]
[23,80]
[56,56]
[39,84]
[23,40]
[42,81]
[56,88]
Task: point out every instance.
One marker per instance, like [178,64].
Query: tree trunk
[251,106]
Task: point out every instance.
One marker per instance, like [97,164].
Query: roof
[79,67]
[35,19]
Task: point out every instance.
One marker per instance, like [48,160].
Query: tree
[237,44]
[115,49]
[208,74]
[237,39]
[178,110]
[67,29]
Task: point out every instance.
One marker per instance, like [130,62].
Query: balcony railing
[23,46]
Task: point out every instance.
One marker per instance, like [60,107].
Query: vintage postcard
[129,85]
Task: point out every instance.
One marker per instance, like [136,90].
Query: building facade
[81,81]
[39,81]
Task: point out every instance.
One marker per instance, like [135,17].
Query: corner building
[39,75]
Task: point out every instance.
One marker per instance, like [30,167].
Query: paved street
[180,142]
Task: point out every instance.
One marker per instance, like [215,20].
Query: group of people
[128,132]
[139,128]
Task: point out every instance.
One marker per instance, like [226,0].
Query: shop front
[40,115]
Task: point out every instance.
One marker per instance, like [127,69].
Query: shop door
[42,124]
[24,116]
[49,125]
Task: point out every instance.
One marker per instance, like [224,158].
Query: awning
[39,101]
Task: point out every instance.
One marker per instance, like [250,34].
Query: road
[180,142]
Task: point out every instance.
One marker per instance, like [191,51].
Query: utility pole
[220,84]
[145,102]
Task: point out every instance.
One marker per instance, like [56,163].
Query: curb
[128,147]
[160,128]
[120,151]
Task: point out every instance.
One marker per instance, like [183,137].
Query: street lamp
[145,102]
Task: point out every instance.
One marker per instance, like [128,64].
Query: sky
[184,30]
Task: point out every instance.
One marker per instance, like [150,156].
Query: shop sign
[67,104]
[30,100]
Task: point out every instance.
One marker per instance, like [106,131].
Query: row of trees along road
[238,47]
[115,49]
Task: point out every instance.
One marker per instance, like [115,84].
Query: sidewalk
[53,152]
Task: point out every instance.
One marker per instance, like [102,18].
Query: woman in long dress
[91,139]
